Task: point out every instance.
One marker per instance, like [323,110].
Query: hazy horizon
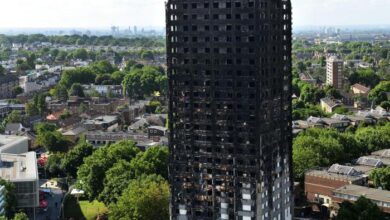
[100,14]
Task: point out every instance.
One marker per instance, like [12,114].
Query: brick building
[319,184]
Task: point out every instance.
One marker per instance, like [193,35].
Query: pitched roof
[367,161]
[330,102]
[361,88]
[345,170]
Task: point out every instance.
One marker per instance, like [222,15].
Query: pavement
[55,200]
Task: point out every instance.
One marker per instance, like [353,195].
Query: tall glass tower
[229,69]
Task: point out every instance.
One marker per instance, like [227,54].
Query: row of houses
[341,122]
[329,187]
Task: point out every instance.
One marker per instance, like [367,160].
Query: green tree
[379,93]
[21,216]
[129,65]
[362,209]
[145,198]
[153,161]
[104,79]
[76,90]
[53,164]
[10,198]
[116,180]
[103,67]
[365,76]
[61,92]
[117,77]
[381,178]
[43,127]
[91,174]
[17,90]
[147,55]
[319,147]
[83,75]
[75,157]
[374,138]
[53,141]
[143,82]
[81,54]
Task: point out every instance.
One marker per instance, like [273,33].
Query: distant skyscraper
[334,72]
[135,29]
[229,68]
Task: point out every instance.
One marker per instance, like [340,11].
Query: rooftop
[333,176]
[330,102]
[361,88]
[106,119]
[382,153]
[10,139]
[369,193]
[369,161]
[345,170]
[19,167]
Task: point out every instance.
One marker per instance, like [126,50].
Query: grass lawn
[84,210]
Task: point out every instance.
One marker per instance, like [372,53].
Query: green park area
[83,210]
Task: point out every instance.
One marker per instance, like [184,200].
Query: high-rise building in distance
[229,69]
[334,72]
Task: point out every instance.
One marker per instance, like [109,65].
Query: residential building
[7,85]
[6,108]
[21,170]
[339,124]
[334,72]
[306,77]
[13,144]
[352,193]
[99,138]
[102,123]
[229,70]
[367,164]
[15,129]
[359,89]
[319,184]
[113,90]
[329,105]
[157,131]
[37,81]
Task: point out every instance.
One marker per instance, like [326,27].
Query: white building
[21,170]
[37,81]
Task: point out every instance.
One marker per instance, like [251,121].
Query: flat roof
[334,176]
[10,139]
[106,119]
[19,167]
[365,169]
[369,193]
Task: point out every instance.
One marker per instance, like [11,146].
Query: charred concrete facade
[229,69]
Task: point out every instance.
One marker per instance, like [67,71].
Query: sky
[125,13]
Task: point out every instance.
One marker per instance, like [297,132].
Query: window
[237,4]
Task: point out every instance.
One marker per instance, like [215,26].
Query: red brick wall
[323,186]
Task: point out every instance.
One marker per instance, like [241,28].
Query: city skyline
[124,13]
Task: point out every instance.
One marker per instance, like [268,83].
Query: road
[53,211]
